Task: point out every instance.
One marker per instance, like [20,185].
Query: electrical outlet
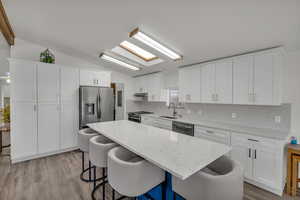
[233,115]
[277,119]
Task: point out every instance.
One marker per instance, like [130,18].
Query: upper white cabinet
[243,79]
[23,77]
[257,78]
[156,87]
[189,84]
[142,84]
[216,82]
[153,85]
[95,78]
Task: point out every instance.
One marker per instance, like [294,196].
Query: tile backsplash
[252,116]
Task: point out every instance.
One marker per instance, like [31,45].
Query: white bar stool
[131,175]
[98,149]
[84,137]
[222,179]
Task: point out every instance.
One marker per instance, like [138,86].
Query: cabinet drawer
[213,134]
[164,124]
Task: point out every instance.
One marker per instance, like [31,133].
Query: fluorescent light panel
[119,62]
[134,49]
[136,34]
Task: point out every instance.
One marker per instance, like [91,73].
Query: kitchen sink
[168,117]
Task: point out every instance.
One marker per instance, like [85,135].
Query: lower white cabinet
[262,160]
[157,122]
[23,129]
[48,128]
[215,135]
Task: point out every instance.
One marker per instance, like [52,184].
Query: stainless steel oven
[184,128]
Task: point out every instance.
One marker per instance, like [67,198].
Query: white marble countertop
[261,132]
[179,154]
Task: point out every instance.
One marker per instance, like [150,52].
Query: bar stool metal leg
[103,186]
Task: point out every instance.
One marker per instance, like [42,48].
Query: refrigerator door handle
[97,106]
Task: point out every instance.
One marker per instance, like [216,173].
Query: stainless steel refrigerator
[96,104]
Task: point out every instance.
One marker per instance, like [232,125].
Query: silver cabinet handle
[249,153]
[213,97]
[255,154]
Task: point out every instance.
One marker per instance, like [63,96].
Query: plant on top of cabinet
[47,57]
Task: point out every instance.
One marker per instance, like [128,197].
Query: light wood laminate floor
[57,178]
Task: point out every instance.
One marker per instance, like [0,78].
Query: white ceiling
[198,29]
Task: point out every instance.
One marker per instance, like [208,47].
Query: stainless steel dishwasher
[184,128]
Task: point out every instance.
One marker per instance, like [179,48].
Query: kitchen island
[178,154]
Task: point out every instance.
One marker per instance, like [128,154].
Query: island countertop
[179,154]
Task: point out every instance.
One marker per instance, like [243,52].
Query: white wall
[291,88]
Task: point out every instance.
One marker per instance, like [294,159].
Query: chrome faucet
[174,108]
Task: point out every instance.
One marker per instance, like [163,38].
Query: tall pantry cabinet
[44,104]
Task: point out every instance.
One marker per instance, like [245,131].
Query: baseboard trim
[22,159]
[276,191]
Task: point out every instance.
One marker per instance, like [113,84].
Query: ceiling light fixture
[119,62]
[141,53]
[137,34]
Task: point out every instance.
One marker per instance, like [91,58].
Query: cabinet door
[48,128]
[155,89]
[263,79]
[243,154]
[224,82]
[189,84]
[69,107]
[243,80]
[48,107]
[266,165]
[48,83]
[69,125]
[208,87]
[103,79]
[23,130]
[23,81]
[87,78]
[141,84]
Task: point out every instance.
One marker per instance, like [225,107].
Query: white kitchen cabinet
[257,78]
[48,93]
[43,105]
[23,109]
[189,84]
[224,82]
[215,135]
[216,85]
[156,88]
[23,129]
[69,107]
[243,79]
[141,84]
[157,122]
[95,78]
[23,79]
[48,128]
[262,160]
[208,87]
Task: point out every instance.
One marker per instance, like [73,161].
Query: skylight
[134,49]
